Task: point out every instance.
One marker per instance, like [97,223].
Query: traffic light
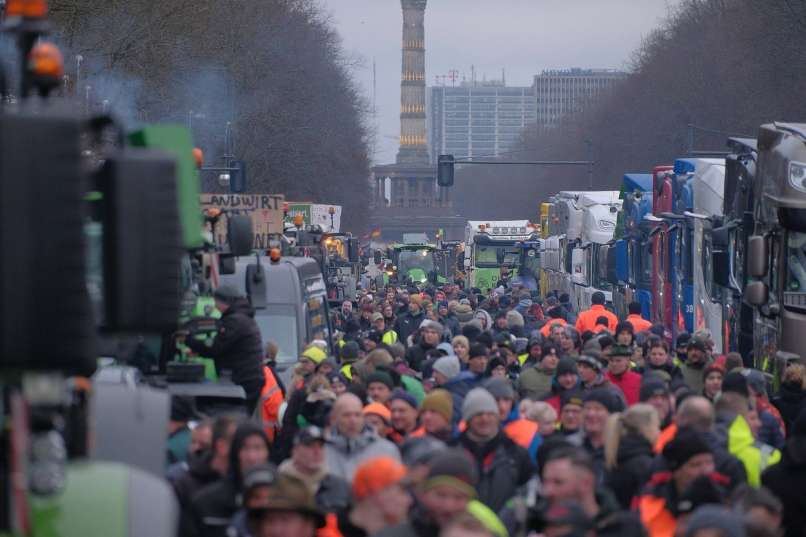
[237,177]
[445,170]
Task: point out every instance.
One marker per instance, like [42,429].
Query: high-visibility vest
[546,330]
[521,431]
[389,337]
[271,398]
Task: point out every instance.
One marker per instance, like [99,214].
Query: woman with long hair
[628,441]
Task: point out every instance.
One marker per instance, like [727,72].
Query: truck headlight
[797,176]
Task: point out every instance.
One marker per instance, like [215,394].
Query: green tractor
[415,265]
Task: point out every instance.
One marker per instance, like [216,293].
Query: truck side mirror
[352,250]
[721,268]
[239,234]
[756,293]
[756,256]
[467,262]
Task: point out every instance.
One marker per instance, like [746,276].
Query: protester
[629,438]
[350,441]
[787,479]
[535,381]
[620,375]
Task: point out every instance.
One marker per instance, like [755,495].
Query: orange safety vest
[665,436]
[521,431]
[271,398]
[331,527]
[657,520]
[586,320]
[551,322]
[639,324]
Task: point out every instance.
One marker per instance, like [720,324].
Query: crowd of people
[445,412]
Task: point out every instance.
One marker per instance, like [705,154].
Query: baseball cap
[308,435]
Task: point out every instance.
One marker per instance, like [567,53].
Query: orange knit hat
[375,475]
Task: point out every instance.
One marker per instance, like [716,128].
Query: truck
[631,267]
[545,209]
[492,252]
[414,262]
[589,253]
[565,228]
[729,243]
[698,185]
[289,295]
[776,250]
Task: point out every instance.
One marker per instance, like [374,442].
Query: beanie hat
[349,353]
[227,293]
[403,395]
[514,319]
[478,349]
[439,401]
[379,410]
[715,517]
[624,326]
[383,377]
[735,382]
[376,474]
[712,367]
[478,401]
[590,361]
[420,450]
[377,316]
[314,354]
[651,387]
[620,350]
[566,365]
[448,366]
[487,518]
[605,397]
[453,467]
[571,397]
[464,313]
[686,444]
[445,348]
[755,380]
[428,324]
[500,388]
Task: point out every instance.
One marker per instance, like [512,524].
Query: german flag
[375,233]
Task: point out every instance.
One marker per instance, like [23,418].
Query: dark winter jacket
[673,371]
[214,505]
[503,467]
[770,432]
[237,348]
[633,468]
[419,524]
[787,480]
[451,324]
[789,401]
[416,355]
[195,475]
[407,324]
[580,439]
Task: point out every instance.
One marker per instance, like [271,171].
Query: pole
[589,143]
[79,59]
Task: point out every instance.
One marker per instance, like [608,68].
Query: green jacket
[535,382]
[734,432]
[693,376]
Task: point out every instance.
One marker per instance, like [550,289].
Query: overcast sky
[522,37]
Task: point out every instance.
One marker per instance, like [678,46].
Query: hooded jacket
[195,476]
[789,401]
[407,324]
[633,468]
[733,432]
[343,454]
[535,382]
[787,480]
[237,347]
[214,505]
[503,467]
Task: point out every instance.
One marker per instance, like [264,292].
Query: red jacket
[629,383]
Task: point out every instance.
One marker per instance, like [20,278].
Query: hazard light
[45,60]
[31,9]
[275,255]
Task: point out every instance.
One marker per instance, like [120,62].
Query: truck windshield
[796,263]
[416,259]
[496,256]
[279,324]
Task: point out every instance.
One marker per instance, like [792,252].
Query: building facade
[478,119]
[565,91]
